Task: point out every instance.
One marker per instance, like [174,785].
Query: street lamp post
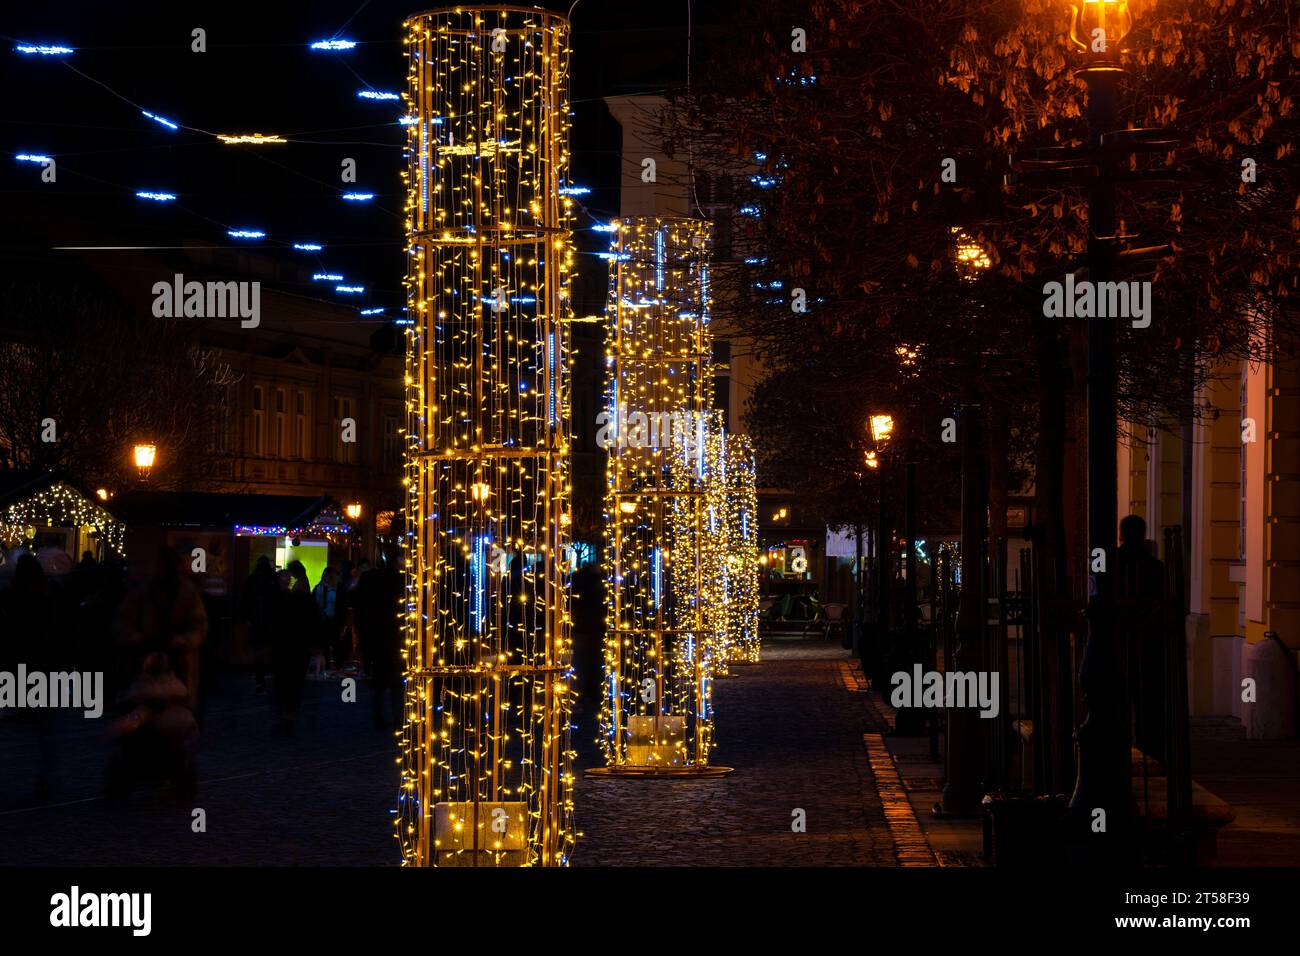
[962,789]
[1104,765]
[882,429]
[910,721]
[1103,781]
[356,546]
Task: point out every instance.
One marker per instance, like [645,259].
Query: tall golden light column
[660,651]
[738,549]
[728,546]
[486,758]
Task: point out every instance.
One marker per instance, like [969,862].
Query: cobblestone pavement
[793,733]
[322,797]
[789,727]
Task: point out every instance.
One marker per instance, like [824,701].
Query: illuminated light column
[729,547]
[486,759]
[656,713]
[738,550]
[707,536]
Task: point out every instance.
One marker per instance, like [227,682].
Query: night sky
[258,75]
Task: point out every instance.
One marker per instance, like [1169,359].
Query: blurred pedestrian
[161,626]
[1140,615]
[260,595]
[296,625]
[326,594]
[165,615]
[28,635]
[376,604]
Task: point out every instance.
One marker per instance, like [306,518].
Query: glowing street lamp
[1098,28]
[971,257]
[352,510]
[144,458]
[1100,25]
[882,428]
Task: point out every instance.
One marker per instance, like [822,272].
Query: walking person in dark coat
[326,595]
[260,596]
[1140,611]
[376,601]
[161,627]
[297,625]
[29,632]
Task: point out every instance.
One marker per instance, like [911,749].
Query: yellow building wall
[1281,508]
[1132,459]
[1170,492]
[1223,475]
[1213,641]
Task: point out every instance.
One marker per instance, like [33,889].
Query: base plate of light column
[659,772]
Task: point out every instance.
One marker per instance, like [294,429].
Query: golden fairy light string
[59,506]
[485,752]
[656,713]
[727,541]
[739,551]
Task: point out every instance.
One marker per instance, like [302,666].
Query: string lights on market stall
[59,506]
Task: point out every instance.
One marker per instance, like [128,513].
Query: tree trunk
[1055,675]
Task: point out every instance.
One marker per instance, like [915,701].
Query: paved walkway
[322,797]
[794,734]
[792,728]
[1261,779]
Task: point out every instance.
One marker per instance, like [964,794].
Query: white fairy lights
[59,506]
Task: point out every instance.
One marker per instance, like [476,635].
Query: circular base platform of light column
[666,773]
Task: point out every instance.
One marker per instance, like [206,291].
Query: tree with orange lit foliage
[871,152]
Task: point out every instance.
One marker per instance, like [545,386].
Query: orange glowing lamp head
[352,510]
[144,457]
[882,427]
[1099,26]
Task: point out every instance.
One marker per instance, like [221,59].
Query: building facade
[314,406]
[1231,478]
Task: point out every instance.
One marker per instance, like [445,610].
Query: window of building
[279,426]
[344,408]
[722,383]
[1241,469]
[302,425]
[224,419]
[259,420]
[392,444]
